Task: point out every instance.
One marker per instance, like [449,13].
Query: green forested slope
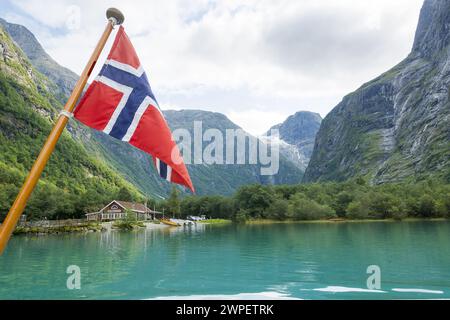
[74,181]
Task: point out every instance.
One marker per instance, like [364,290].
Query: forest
[355,199]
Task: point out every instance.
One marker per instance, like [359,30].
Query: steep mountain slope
[122,158]
[63,78]
[134,165]
[73,179]
[137,167]
[397,126]
[210,178]
[296,137]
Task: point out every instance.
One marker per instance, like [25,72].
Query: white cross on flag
[120,102]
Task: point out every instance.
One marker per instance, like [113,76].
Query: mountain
[132,164]
[296,137]
[211,178]
[137,168]
[397,126]
[63,78]
[74,180]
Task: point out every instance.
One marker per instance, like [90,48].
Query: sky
[256,61]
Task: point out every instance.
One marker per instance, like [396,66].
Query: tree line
[347,200]
[354,199]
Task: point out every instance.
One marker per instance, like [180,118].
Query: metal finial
[115,15]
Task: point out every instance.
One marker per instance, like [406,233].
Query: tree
[129,222]
[190,206]
[278,209]
[382,205]
[358,209]
[427,206]
[343,199]
[443,207]
[241,216]
[226,208]
[124,195]
[254,199]
[302,208]
[173,202]
[43,202]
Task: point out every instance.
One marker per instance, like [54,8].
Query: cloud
[326,39]
[240,57]
[255,121]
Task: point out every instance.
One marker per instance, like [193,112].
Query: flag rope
[66,114]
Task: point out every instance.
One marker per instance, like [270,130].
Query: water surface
[305,261]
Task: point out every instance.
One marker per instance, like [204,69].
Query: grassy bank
[127,225]
[88,227]
[215,221]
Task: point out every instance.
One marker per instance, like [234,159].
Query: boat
[169,222]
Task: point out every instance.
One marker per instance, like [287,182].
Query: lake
[273,261]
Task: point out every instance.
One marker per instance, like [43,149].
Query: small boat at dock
[169,222]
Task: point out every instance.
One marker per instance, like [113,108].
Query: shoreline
[342,221]
[84,228]
[108,226]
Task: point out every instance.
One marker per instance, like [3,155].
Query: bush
[427,206]
[278,210]
[358,210]
[124,225]
[443,206]
[130,222]
[241,216]
[343,199]
[399,212]
[301,208]
[255,199]
[382,205]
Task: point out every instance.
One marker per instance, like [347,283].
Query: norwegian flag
[121,103]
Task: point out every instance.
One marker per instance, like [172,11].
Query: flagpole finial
[115,15]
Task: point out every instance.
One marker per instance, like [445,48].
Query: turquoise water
[306,261]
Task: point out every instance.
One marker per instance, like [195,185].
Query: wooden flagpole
[115,17]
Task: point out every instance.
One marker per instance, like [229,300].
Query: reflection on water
[235,261]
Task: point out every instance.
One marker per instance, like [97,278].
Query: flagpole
[115,17]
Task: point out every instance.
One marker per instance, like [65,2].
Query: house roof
[134,206]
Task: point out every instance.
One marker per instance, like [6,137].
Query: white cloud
[256,122]
[240,57]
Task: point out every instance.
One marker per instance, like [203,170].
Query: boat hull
[169,223]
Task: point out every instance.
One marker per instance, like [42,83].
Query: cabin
[117,210]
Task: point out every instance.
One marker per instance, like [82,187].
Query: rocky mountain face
[63,78]
[296,137]
[226,177]
[397,126]
[136,166]
[130,163]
